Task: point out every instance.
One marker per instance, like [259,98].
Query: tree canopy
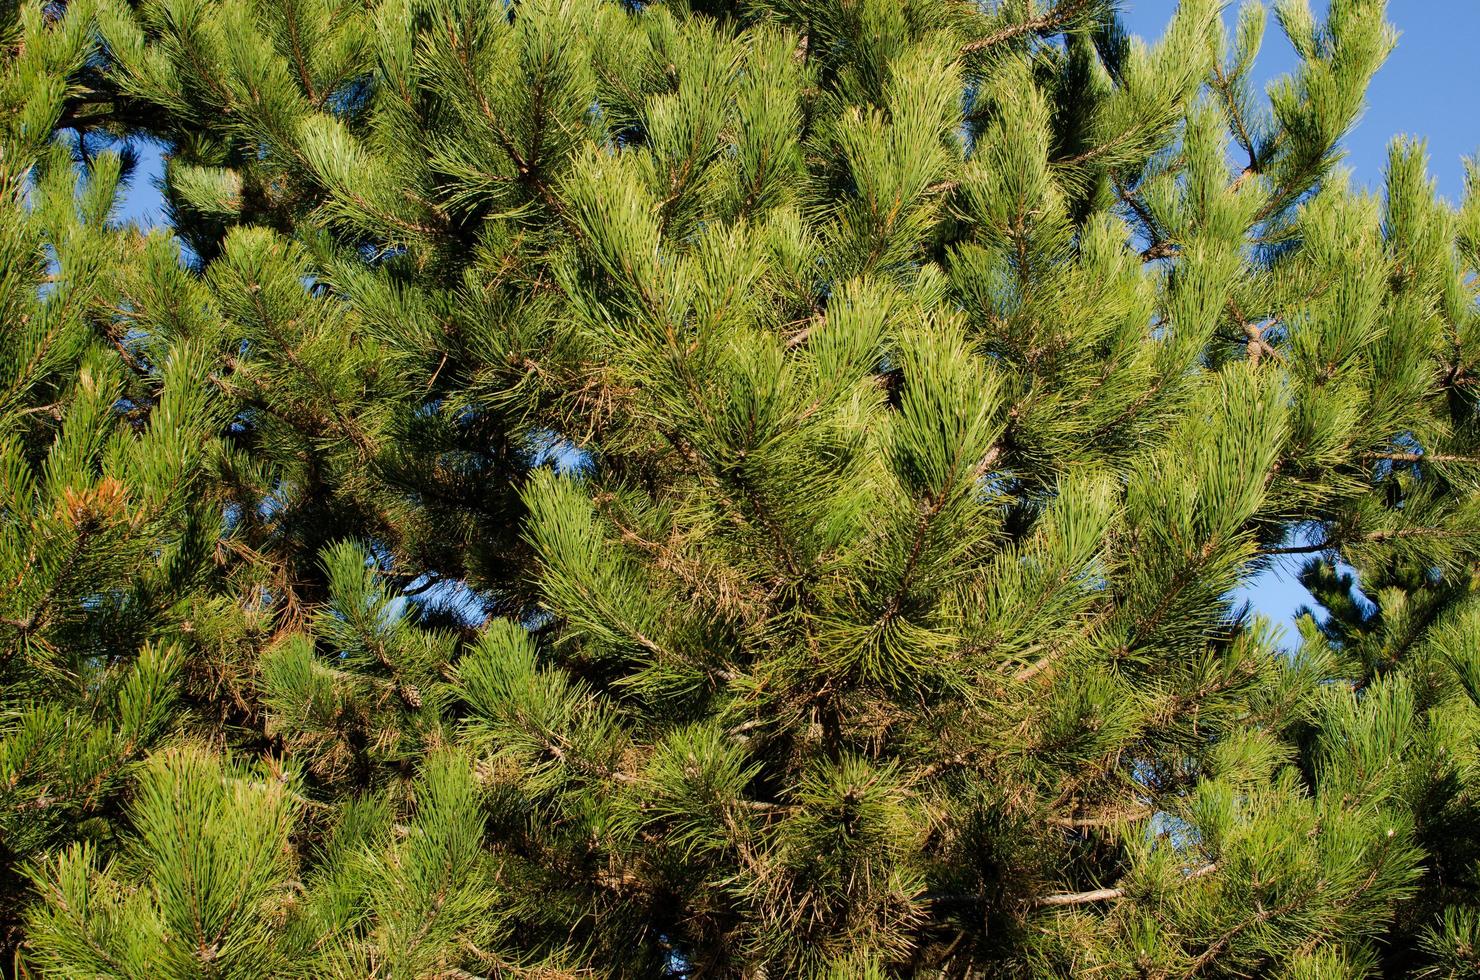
[728,488]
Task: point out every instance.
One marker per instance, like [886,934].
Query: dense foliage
[728,488]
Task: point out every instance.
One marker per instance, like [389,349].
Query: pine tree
[717,488]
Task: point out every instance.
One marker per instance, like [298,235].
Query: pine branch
[80,795]
[1047,23]
[766,520]
[1099,150]
[815,323]
[432,581]
[1375,537]
[528,169]
[346,426]
[1185,577]
[725,590]
[586,765]
[1080,898]
[1224,85]
[1178,704]
[1254,332]
[1053,655]
[1159,248]
[37,618]
[1344,901]
[89,937]
[1106,894]
[1109,819]
[1422,457]
[23,378]
[1222,942]
[933,507]
[290,14]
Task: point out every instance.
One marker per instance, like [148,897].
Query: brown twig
[1105,894]
[1054,19]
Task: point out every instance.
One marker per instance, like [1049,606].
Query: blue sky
[1428,88]
[142,202]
